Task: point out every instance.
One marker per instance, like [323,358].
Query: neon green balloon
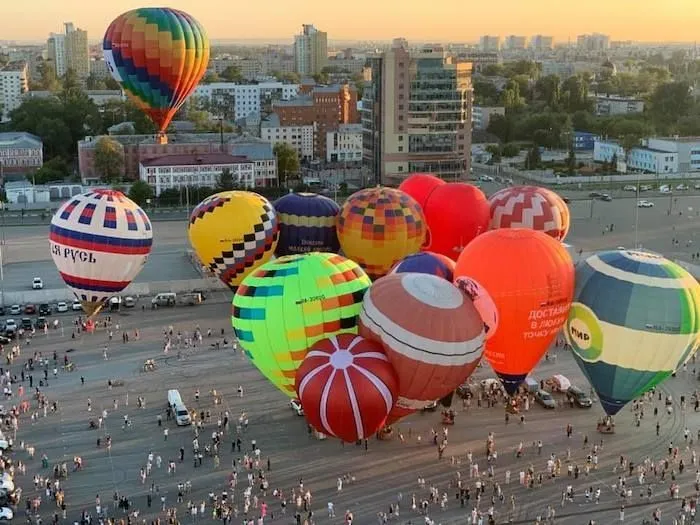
[288,304]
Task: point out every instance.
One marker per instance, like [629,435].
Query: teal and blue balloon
[307,224]
[635,319]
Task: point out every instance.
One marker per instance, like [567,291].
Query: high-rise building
[310,50]
[542,43]
[594,42]
[515,43]
[13,86]
[490,43]
[416,114]
[70,51]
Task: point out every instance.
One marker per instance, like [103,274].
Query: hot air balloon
[158,55]
[482,302]
[431,332]
[347,386]
[420,186]
[100,241]
[232,233]
[530,207]
[307,224]
[456,213]
[377,227]
[635,320]
[426,262]
[530,278]
[286,305]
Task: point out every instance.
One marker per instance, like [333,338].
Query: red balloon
[530,279]
[347,386]
[431,332]
[530,207]
[456,213]
[420,186]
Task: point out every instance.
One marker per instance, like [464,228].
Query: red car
[30,309]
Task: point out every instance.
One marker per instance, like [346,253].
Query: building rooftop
[173,138]
[271,121]
[17,65]
[252,148]
[18,139]
[350,128]
[18,185]
[194,160]
[682,140]
[301,100]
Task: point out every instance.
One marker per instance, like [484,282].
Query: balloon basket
[448,417]
[606,425]
[385,434]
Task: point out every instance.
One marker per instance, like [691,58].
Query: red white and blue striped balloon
[346,386]
[100,241]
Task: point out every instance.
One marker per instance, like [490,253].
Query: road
[382,472]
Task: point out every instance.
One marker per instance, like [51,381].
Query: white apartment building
[515,43]
[301,138]
[490,43]
[481,116]
[645,159]
[245,99]
[541,43]
[56,45]
[203,170]
[686,148]
[616,105]
[13,86]
[345,144]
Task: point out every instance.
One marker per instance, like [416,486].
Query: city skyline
[456,21]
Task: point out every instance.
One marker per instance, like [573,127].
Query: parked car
[6,514]
[531,385]
[129,302]
[682,187]
[629,187]
[697,187]
[644,187]
[62,307]
[11,327]
[30,309]
[15,309]
[4,340]
[545,399]
[77,305]
[44,309]
[645,204]
[37,283]
[26,323]
[40,323]
[296,406]
[605,197]
[580,398]
[595,195]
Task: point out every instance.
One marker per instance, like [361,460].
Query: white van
[165,299]
[182,416]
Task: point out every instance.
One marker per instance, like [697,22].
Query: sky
[421,20]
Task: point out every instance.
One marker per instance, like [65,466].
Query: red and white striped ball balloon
[431,332]
[347,386]
[530,207]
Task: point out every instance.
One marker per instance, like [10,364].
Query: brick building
[326,107]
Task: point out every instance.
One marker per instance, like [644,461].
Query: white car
[295,404]
[15,309]
[6,514]
[645,187]
[629,187]
[37,283]
[697,186]
[682,187]
[76,306]
[62,307]
[645,204]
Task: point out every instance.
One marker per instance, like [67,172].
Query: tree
[629,142]
[533,159]
[47,77]
[548,90]
[485,93]
[140,192]
[111,84]
[109,159]
[225,181]
[501,126]
[671,101]
[53,170]
[510,150]
[510,97]
[93,82]
[321,78]
[287,162]
[210,77]
[571,161]
[232,74]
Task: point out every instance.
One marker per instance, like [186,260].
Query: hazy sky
[436,20]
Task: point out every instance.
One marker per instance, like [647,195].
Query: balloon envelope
[456,213]
[426,262]
[307,224]
[635,320]
[420,186]
[530,207]
[431,332]
[100,241]
[377,227]
[347,386]
[286,305]
[158,55]
[530,278]
[232,233]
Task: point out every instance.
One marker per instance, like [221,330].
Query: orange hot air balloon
[420,186]
[530,278]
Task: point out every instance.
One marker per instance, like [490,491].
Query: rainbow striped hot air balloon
[100,241]
[158,55]
[635,319]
